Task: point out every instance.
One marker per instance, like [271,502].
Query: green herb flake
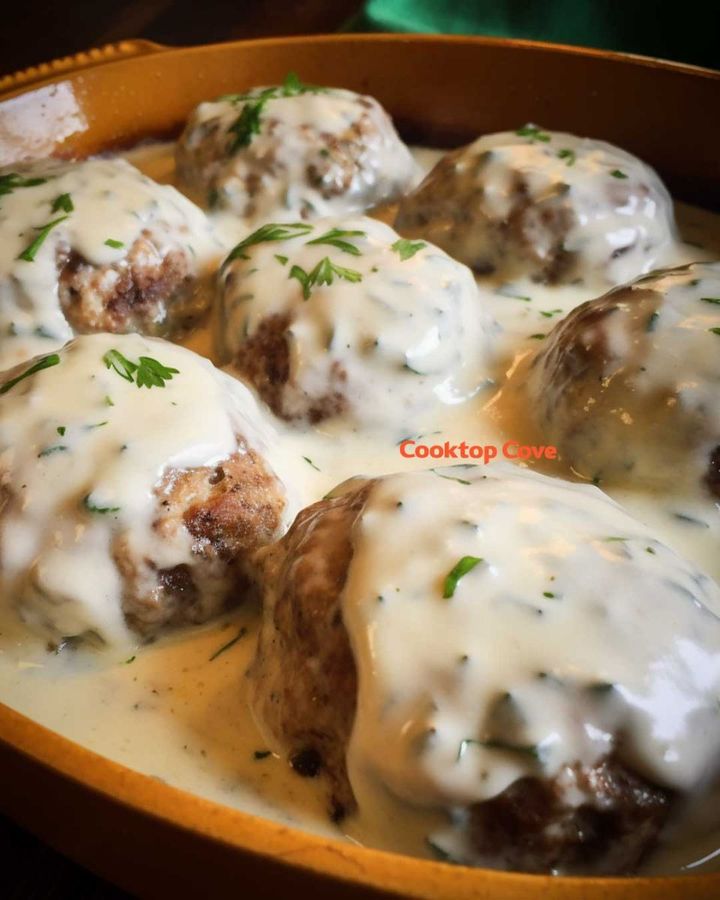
[63,203]
[715,330]
[450,477]
[45,363]
[147,372]
[130,660]
[116,245]
[336,238]
[323,273]
[12,181]
[311,463]
[549,313]
[406,249]
[281,259]
[538,337]
[534,133]
[600,687]
[616,173]
[100,510]
[30,252]
[48,451]
[61,430]
[231,643]
[272,231]
[549,595]
[458,571]
[715,300]
[568,155]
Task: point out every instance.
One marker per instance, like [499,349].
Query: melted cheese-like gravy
[176,709]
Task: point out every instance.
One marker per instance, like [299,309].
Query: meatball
[293,151]
[136,482]
[497,644]
[342,318]
[626,385]
[548,205]
[97,246]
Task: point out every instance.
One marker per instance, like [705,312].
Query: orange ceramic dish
[156,840]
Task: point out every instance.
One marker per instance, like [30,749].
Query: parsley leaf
[616,173]
[460,569]
[710,300]
[335,237]
[147,372]
[534,132]
[116,245]
[12,181]
[270,232]
[31,250]
[45,363]
[406,249]
[568,155]
[63,203]
[323,273]
[247,124]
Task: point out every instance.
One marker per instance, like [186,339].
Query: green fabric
[686,30]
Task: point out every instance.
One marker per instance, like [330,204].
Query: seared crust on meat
[303,676]
[264,361]
[227,511]
[153,290]
[529,828]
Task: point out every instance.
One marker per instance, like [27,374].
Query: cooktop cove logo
[485,453]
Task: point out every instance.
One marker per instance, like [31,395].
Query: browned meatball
[96,246]
[596,818]
[626,385]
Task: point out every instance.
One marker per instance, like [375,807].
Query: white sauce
[111,200]
[81,451]
[394,336]
[176,714]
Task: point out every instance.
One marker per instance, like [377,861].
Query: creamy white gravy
[176,709]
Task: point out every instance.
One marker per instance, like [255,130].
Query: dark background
[34,33]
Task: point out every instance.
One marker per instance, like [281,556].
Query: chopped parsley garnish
[30,252]
[270,232]
[711,300]
[549,595]
[231,643]
[130,660]
[600,687]
[311,463]
[336,238]
[616,173]
[568,155]
[450,477]
[538,337]
[63,203]
[147,372]
[94,508]
[12,181]
[549,313]
[323,273]
[406,249]
[61,430]
[281,259]
[248,122]
[48,451]
[715,330]
[458,571]
[534,132]
[116,245]
[45,363]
